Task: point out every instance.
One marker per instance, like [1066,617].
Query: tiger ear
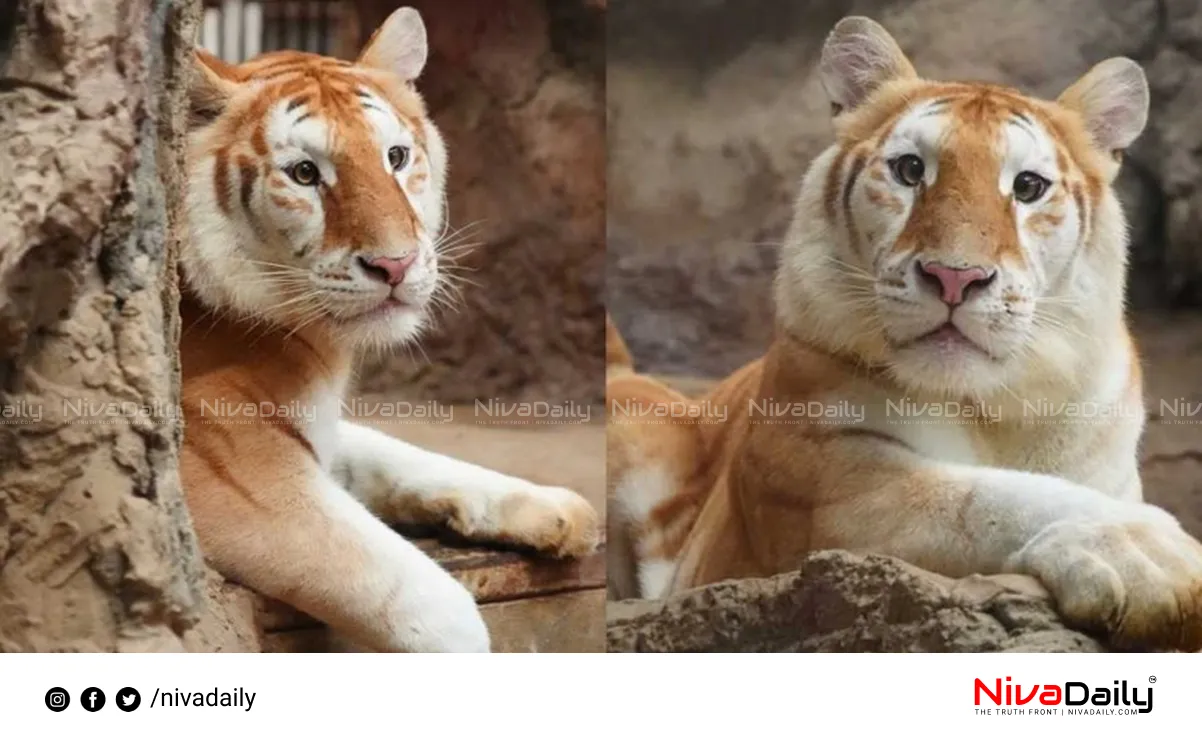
[858,57]
[212,84]
[1113,100]
[398,46]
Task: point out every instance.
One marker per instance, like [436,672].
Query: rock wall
[96,551]
[715,110]
[517,89]
[844,603]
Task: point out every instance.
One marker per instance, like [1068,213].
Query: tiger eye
[398,157]
[908,169]
[305,173]
[1028,186]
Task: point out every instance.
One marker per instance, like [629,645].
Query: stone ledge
[843,602]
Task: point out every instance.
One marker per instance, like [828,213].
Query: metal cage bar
[236,30]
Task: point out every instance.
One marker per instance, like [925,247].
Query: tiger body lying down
[949,324]
[315,210]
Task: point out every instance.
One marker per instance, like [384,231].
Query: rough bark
[96,551]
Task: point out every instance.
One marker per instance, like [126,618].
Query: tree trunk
[96,550]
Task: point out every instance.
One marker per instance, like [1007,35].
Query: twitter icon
[128,699]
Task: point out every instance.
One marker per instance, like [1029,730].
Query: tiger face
[316,189]
[969,231]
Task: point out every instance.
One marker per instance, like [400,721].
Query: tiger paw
[1138,583]
[553,520]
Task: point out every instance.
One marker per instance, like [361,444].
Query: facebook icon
[92,699]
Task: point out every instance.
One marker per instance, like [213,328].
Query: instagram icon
[57,699]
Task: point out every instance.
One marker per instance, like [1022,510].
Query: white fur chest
[937,431]
[319,422]
[932,427]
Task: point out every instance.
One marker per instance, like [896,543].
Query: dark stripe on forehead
[936,107]
[404,103]
[296,103]
[930,107]
[269,75]
[1022,122]
[888,107]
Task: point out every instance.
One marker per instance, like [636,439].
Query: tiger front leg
[401,483]
[287,530]
[1127,571]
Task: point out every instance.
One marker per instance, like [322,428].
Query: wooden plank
[563,623]
[492,575]
[503,575]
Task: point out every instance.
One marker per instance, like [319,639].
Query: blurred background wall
[517,87]
[715,110]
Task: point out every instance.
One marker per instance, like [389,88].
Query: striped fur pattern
[315,209]
[958,245]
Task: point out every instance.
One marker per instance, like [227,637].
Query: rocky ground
[840,602]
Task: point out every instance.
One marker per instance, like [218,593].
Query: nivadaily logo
[1068,698]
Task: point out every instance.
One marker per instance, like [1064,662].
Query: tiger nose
[953,283]
[389,270]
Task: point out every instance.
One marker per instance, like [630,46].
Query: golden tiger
[949,309]
[315,200]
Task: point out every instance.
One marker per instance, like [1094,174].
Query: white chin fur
[396,328]
[962,372]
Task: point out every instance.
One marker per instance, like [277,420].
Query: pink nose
[389,270]
[953,283]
